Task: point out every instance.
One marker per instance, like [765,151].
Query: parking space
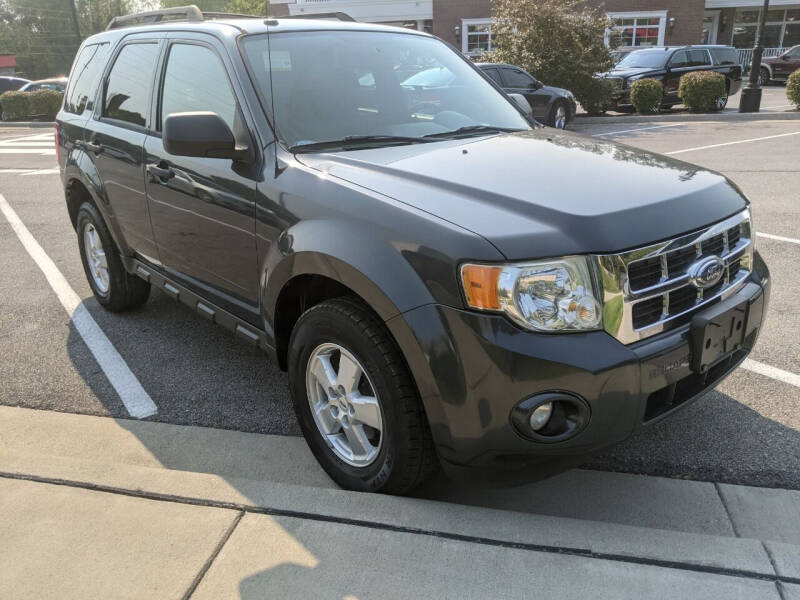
[747,431]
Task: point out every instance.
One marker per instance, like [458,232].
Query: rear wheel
[112,285]
[763,76]
[355,401]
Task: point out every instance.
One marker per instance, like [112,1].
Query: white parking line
[637,129]
[133,396]
[771,372]
[768,137]
[779,238]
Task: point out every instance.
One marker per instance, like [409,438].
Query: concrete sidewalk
[98,508]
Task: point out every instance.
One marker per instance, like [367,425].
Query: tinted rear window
[84,77]
[725,56]
[128,86]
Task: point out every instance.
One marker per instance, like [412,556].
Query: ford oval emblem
[706,272]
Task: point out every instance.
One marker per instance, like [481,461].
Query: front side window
[127,95]
[680,59]
[516,78]
[418,86]
[184,91]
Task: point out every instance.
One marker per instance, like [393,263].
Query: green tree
[561,42]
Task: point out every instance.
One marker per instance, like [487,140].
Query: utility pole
[750,100]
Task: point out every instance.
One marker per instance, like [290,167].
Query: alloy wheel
[344,404]
[560,120]
[96,258]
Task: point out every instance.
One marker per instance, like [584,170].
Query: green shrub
[596,96]
[45,104]
[793,88]
[701,91]
[646,95]
[15,105]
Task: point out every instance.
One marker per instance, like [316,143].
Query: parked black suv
[552,106]
[668,64]
[441,281]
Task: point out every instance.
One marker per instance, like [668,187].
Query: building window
[637,29]
[476,36]
[782,29]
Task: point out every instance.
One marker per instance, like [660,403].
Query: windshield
[332,85]
[652,59]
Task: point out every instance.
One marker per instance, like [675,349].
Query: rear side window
[699,58]
[128,85]
[184,91]
[85,75]
[726,56]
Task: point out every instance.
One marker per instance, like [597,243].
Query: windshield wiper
[473,129]
[357,141]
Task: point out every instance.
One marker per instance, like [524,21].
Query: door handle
[160,173]
[92,147]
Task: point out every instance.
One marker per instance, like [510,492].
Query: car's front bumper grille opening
[654,285]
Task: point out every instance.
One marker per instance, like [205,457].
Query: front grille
[653,284]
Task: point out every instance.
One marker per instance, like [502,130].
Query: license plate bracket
[717,332]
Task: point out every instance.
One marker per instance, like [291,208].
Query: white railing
[746,55]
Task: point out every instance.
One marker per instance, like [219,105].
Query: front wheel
[722,101]
[558,115]
[355,400]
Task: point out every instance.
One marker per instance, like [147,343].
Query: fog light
[541,415]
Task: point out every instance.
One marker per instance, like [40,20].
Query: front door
[517,81]
[114,141]
[203,209]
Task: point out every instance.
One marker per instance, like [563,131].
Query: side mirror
[536,84]
[522,103]
[201,134]
[784,57]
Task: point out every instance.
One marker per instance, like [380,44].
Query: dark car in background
[10,84]
[778,68]
[56,83]
[551,105]
[668,64]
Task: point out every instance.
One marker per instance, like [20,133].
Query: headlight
[548,295]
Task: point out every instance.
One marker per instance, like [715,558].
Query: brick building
[467,23]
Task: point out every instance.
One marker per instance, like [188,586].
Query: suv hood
[630,71]
[541,193]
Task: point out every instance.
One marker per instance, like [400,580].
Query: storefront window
[636,30]
[781,31]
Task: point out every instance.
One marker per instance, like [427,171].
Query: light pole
[750,100]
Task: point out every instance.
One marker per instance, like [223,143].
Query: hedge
[646,95]
[793,88]
[45,104]
[700,91]
[597,97]
[41,104]
[15,105]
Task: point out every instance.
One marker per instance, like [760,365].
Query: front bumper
[472,369]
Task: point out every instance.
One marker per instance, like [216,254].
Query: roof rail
[339,16]
[181,13]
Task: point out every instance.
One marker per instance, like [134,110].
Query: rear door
[203,212]
[114,139]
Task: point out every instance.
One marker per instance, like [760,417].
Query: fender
[80,167]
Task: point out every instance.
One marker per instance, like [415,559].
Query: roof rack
[339,16]
[178,13]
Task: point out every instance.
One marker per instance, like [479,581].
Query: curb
[27,124]
[726,116]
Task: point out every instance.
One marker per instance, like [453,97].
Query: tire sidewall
[321,326]
[86,217]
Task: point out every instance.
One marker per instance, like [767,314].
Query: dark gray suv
[444,283]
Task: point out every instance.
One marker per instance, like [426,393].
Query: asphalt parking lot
[747,431]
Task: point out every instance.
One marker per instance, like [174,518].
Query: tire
[763,76]
[558,115]
[401,453]
[722,101]
[118,290]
